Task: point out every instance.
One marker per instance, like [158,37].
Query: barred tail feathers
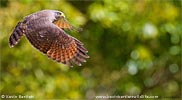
[16,34]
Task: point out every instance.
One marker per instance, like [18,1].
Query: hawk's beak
[62,16]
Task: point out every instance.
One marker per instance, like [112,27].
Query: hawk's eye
[58,13]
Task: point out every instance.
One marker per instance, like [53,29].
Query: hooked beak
[62,16]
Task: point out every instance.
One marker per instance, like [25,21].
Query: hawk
[45,31]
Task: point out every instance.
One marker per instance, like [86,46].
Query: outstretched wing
[56,44]
[67,50]
[64,24]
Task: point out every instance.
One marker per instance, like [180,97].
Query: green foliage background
[134,48]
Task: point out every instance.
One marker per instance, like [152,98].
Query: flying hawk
[45,31]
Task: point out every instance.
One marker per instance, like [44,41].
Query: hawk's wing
[64,24]
[56,44]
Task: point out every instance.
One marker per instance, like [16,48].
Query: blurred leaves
[134,48]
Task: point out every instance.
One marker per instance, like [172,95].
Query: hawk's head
[51,15]
[59,14]
[57,17]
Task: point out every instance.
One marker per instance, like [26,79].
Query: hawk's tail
[16,35]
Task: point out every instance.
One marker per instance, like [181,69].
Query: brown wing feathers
[41,44]
[68,53]
[62,23]
[63,48]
